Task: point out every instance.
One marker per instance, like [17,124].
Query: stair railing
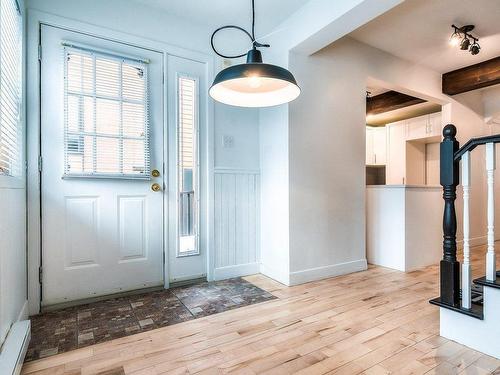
[451,155]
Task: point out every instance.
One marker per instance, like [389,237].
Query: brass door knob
[155,187]
[155,173]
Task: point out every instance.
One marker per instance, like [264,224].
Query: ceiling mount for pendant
[253,84]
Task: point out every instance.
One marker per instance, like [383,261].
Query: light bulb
[455,39]
[255,82]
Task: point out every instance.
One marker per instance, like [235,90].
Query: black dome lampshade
[253,84]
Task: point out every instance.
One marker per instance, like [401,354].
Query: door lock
[155,187]
[155,173]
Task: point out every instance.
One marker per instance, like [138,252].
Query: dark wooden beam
[472,77]
[389,101]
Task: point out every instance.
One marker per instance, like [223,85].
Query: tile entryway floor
[76,327]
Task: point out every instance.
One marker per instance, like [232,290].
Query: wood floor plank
[374,322]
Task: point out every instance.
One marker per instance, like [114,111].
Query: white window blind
[106,132]
[187,156]
[10,89]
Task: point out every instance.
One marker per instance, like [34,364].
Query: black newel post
[449,267]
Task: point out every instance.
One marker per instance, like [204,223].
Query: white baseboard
[228,272]
[14,348]
[23,314]
[475,241]
[318,273]
[272,273]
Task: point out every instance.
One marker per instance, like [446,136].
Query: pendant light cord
[255,44]
[253,21]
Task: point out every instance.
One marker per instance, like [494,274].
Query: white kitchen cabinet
[422,127]
[396,153]
[417,127]
[435,125]
[380,145]
[376,146]
[369,146]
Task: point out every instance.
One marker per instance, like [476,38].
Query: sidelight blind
[106,132]
[187,134]
[10,89]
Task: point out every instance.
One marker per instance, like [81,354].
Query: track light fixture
[462,37]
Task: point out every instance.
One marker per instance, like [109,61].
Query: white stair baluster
[490,255]
[466,267]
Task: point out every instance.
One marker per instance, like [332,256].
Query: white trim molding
[324,272]
[15,347]
[279,276]
[229,272]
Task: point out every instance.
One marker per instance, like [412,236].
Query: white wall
[274,246]
[324,132]
[13,295]
[12,257]
[327,163]
[288,252]
[491,104]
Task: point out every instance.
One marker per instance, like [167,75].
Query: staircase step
[476,294]
[476,311]
[492,284]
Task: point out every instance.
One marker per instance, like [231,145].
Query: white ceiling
[419,31]
[215,13]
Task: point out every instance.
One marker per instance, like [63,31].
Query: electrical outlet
[227,141]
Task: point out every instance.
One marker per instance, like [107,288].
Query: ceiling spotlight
[464,45]
[475,48]
[455,38]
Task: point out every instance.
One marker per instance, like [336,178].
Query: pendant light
[253,84]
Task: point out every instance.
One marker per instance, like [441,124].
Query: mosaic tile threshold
[76,327]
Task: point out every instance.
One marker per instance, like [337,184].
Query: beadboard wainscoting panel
[236,223]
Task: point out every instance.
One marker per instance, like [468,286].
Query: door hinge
[39,52]
[40,274]
[40,163]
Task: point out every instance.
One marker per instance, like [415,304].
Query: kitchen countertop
[428,187]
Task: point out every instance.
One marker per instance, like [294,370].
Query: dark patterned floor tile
[77,327]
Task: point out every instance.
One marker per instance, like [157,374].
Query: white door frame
[35,20]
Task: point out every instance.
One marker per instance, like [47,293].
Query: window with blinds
[106,132]
[187,157]
[10,89]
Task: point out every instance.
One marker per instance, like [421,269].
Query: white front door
[101,145]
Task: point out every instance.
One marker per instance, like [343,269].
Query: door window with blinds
[10,89]
[187,158]
[106,132]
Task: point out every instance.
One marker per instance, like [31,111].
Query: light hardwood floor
[373,322]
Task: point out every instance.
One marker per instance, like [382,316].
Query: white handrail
[466,267]
[490,255]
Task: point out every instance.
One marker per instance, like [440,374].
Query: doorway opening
[403,195]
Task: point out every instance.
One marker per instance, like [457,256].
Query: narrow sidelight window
[188,165]
[106,126]
[11,143]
